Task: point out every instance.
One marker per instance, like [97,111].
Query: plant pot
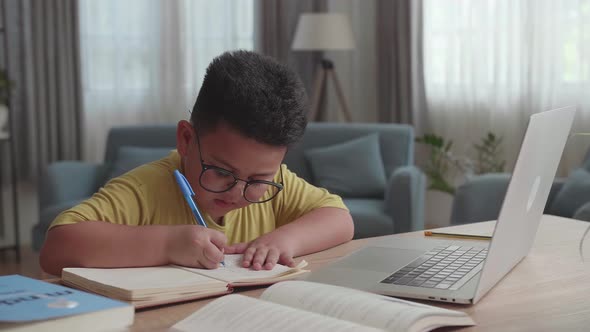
[4,133]
[438,207]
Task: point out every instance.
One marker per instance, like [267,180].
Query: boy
[248,111]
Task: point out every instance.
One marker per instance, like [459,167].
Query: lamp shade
[323,31]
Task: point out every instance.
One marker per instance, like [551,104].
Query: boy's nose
[236,193]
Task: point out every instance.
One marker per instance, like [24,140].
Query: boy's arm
[319,229]
[103,244]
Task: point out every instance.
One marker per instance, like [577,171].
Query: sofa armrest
[555,188]
[404,199]
[479,198]
[583,212]
[65,181]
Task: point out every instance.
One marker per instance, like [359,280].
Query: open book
[308,306]
[150,286]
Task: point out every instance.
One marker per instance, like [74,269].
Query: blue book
[32,305]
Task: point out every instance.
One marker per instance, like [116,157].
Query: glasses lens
[217,180]
[260,192]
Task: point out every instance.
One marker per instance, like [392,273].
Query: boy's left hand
[263,253]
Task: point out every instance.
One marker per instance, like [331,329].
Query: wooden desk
[548,291]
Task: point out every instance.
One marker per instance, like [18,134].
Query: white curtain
[489,64]
[143,60]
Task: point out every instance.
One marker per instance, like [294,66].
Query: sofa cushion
[350,169]
[130,157]
[574,193]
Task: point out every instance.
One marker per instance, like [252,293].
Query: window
[143,61]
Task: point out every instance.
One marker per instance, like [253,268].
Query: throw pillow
[574,193]
[349,169]
[130,157]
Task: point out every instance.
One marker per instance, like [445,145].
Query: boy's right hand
[195,246]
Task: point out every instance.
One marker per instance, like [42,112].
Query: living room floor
[28,265]
[28,210]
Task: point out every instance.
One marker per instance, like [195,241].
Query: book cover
[26,300]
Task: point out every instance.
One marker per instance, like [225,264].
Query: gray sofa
[398,208]
[126,148]
[480,198]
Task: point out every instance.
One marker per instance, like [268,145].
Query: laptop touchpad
[379,259]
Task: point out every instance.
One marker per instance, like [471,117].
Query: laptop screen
[527,194]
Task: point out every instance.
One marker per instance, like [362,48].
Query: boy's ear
[184,136]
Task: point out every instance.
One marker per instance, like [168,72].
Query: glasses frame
[204,167]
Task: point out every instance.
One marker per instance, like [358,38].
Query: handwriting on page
[233,270]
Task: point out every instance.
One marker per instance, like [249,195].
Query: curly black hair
[256,95]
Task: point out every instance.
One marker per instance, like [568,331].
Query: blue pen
[188,193]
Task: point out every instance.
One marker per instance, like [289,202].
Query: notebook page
[369,309]
[242,313]
[233,271]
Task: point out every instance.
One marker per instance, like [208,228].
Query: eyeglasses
[217,180]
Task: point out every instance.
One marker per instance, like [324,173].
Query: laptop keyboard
[447,267]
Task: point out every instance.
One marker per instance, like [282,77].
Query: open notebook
[309,306]
[150,286]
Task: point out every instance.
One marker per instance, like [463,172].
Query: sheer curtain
[489,64]
[143,60]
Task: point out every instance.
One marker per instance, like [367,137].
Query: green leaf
[442,164]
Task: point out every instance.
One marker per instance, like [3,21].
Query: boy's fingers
[212,256]
[271,258]
[259,258]
[237,248]
[198,263]
[218,238]
[248,255]
[286,260]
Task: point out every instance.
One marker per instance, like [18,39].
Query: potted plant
[442,165]
[5,86]
[444,169]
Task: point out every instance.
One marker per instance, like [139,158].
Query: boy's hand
[195,246]
[264,252]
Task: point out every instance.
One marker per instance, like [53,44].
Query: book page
[233,271]
[242,313]
[364,308]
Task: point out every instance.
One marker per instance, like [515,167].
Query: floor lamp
[324,32]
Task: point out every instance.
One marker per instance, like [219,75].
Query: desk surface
[548,291]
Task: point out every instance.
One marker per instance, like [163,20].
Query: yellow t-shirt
[149,195]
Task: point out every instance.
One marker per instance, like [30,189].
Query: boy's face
[225,148]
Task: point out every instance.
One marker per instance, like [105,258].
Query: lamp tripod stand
[319,92]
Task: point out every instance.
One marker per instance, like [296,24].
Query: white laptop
[464,271]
